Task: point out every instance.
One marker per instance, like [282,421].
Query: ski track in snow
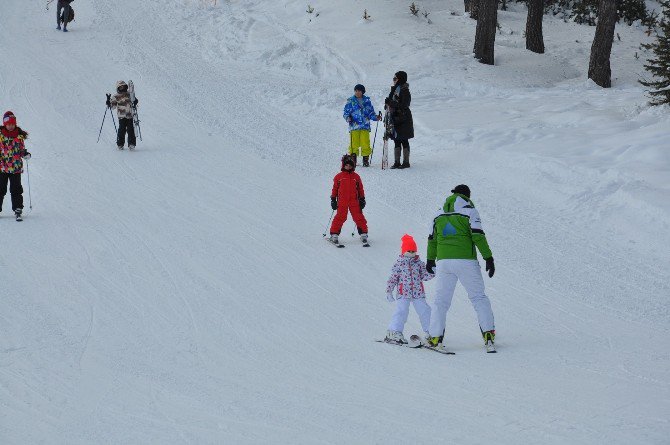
[182,294]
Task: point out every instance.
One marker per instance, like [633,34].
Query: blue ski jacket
[360,115]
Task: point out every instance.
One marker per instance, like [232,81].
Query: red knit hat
[407,243]
[8,118]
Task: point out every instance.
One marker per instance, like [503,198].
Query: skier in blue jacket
[358,112]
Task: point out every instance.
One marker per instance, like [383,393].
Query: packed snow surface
[183,293]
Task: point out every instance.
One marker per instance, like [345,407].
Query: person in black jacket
[62,4]
[397,104]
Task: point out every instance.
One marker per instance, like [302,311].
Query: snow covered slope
[182,293]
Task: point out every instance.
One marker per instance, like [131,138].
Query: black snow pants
[59,10]
[126,126]
[15,189]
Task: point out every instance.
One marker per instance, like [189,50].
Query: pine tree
[660,65]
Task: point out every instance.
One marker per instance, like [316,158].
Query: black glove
[108,101]
[430,266]
[135,102]
[387,101]
[361,202]
[490,267]
[333,203]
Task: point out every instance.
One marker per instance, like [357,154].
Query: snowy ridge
[182,294]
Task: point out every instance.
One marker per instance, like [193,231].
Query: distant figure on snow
[347,196]
[455,233]
[407,275]
[64,14]
[124,109]
[397,104]
[12,153]
[358,112]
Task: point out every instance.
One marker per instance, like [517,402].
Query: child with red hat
[12,153]
[408,275]
[347,196]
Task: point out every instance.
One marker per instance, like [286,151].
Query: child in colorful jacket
[124,109]
[347,196]
[408,275]
[358,112]
[12,153]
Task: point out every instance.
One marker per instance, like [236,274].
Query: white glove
[390,298]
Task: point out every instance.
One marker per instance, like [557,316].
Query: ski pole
[374,140]
[103,123]
[30,196]
[113,120]
[329,220]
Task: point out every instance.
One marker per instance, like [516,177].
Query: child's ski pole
[325,230]
[103,123]
[375,138]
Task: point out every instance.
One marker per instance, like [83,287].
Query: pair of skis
[342,246]
[415,342]
[387,135]
[136,117]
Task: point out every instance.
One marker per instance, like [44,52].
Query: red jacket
[347,186]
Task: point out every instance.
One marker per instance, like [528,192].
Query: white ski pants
[402,311]
[468,272]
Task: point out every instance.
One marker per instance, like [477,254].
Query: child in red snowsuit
[348,195]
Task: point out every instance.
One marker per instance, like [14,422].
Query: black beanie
[462,189]
[402,77]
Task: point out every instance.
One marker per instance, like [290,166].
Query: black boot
[355,156]
[396,152]
[366,161]
[405,158]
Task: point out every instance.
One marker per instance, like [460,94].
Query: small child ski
[347,196]
[12,153]
[124,109]
[408,275]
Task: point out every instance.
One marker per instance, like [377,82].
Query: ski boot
[120,147]
[366,161]
[64,28]
[58,27]
[131,147]
[18,213]
[333,238]
[395,337]
[364,239]
[489,338]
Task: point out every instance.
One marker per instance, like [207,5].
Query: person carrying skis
[12,153]
[124,109]
[455,233]
[63,6]
[358,111]
[347,196]
[408,274]
[397,104]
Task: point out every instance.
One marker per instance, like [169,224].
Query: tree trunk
[599,64]
[534,39]
[472,6]
[485,36]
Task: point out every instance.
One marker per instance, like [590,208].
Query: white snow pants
[402,311]
[468,272]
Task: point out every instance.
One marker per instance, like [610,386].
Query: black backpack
[67,15]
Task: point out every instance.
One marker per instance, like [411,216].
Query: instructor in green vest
[455,237]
